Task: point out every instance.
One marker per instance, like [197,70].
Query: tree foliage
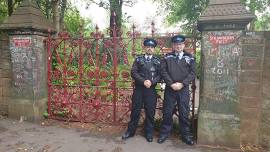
[257,5]
[3,11]
[57,15]
[187,12]
[261,9]
[74,23]
[263,23]
[54,10]
[113,6]
[7,7]
[184,11]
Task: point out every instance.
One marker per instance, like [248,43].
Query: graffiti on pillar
[38,61]
[221,57]
[22,42]
[27,65]
[21,53]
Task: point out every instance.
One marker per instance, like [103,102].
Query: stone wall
[5,74]
[251,86]
[255,89]
[29,77]
[23,87]
[264,134]
[219,120]
[235,89]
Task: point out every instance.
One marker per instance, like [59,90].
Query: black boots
[149,138]
[188,140]
[161,139]
[127,135]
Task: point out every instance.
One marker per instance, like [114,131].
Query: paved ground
[55,136]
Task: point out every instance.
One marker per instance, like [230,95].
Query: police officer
[146,73]
[177,70]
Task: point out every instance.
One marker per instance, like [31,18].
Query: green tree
[113,6]
[11,5]
[263,23]
[3,11]
[55,11]
[188,12]
[52,9]
[74,22]
[7,8]
[183,11]
[259,7]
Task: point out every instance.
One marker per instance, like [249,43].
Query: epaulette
[188,55]
[169,56]
[156,60]
[140,59]
[188,58]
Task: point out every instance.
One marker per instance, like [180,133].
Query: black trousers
[146,97]
[171,98]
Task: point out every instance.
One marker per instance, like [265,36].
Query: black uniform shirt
[181,70]
[146,70]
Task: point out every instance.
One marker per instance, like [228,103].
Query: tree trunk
[116,6]
[10,7]
[62,15]
[56,15]
[47,9]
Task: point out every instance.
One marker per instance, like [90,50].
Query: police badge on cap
[178,39]
[150,42]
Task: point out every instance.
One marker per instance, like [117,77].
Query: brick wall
[5,74]
[264,135]
[251,86]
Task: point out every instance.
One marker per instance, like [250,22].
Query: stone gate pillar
[264,125]
[222,25]
[5,74]
[27,28]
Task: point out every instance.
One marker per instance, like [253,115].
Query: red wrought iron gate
[89,78]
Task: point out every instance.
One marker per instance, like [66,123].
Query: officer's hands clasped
[177,86]
[147,83]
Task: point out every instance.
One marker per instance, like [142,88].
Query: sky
[141,14]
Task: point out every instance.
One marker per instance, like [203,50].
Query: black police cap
[150,42]
[178,39]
